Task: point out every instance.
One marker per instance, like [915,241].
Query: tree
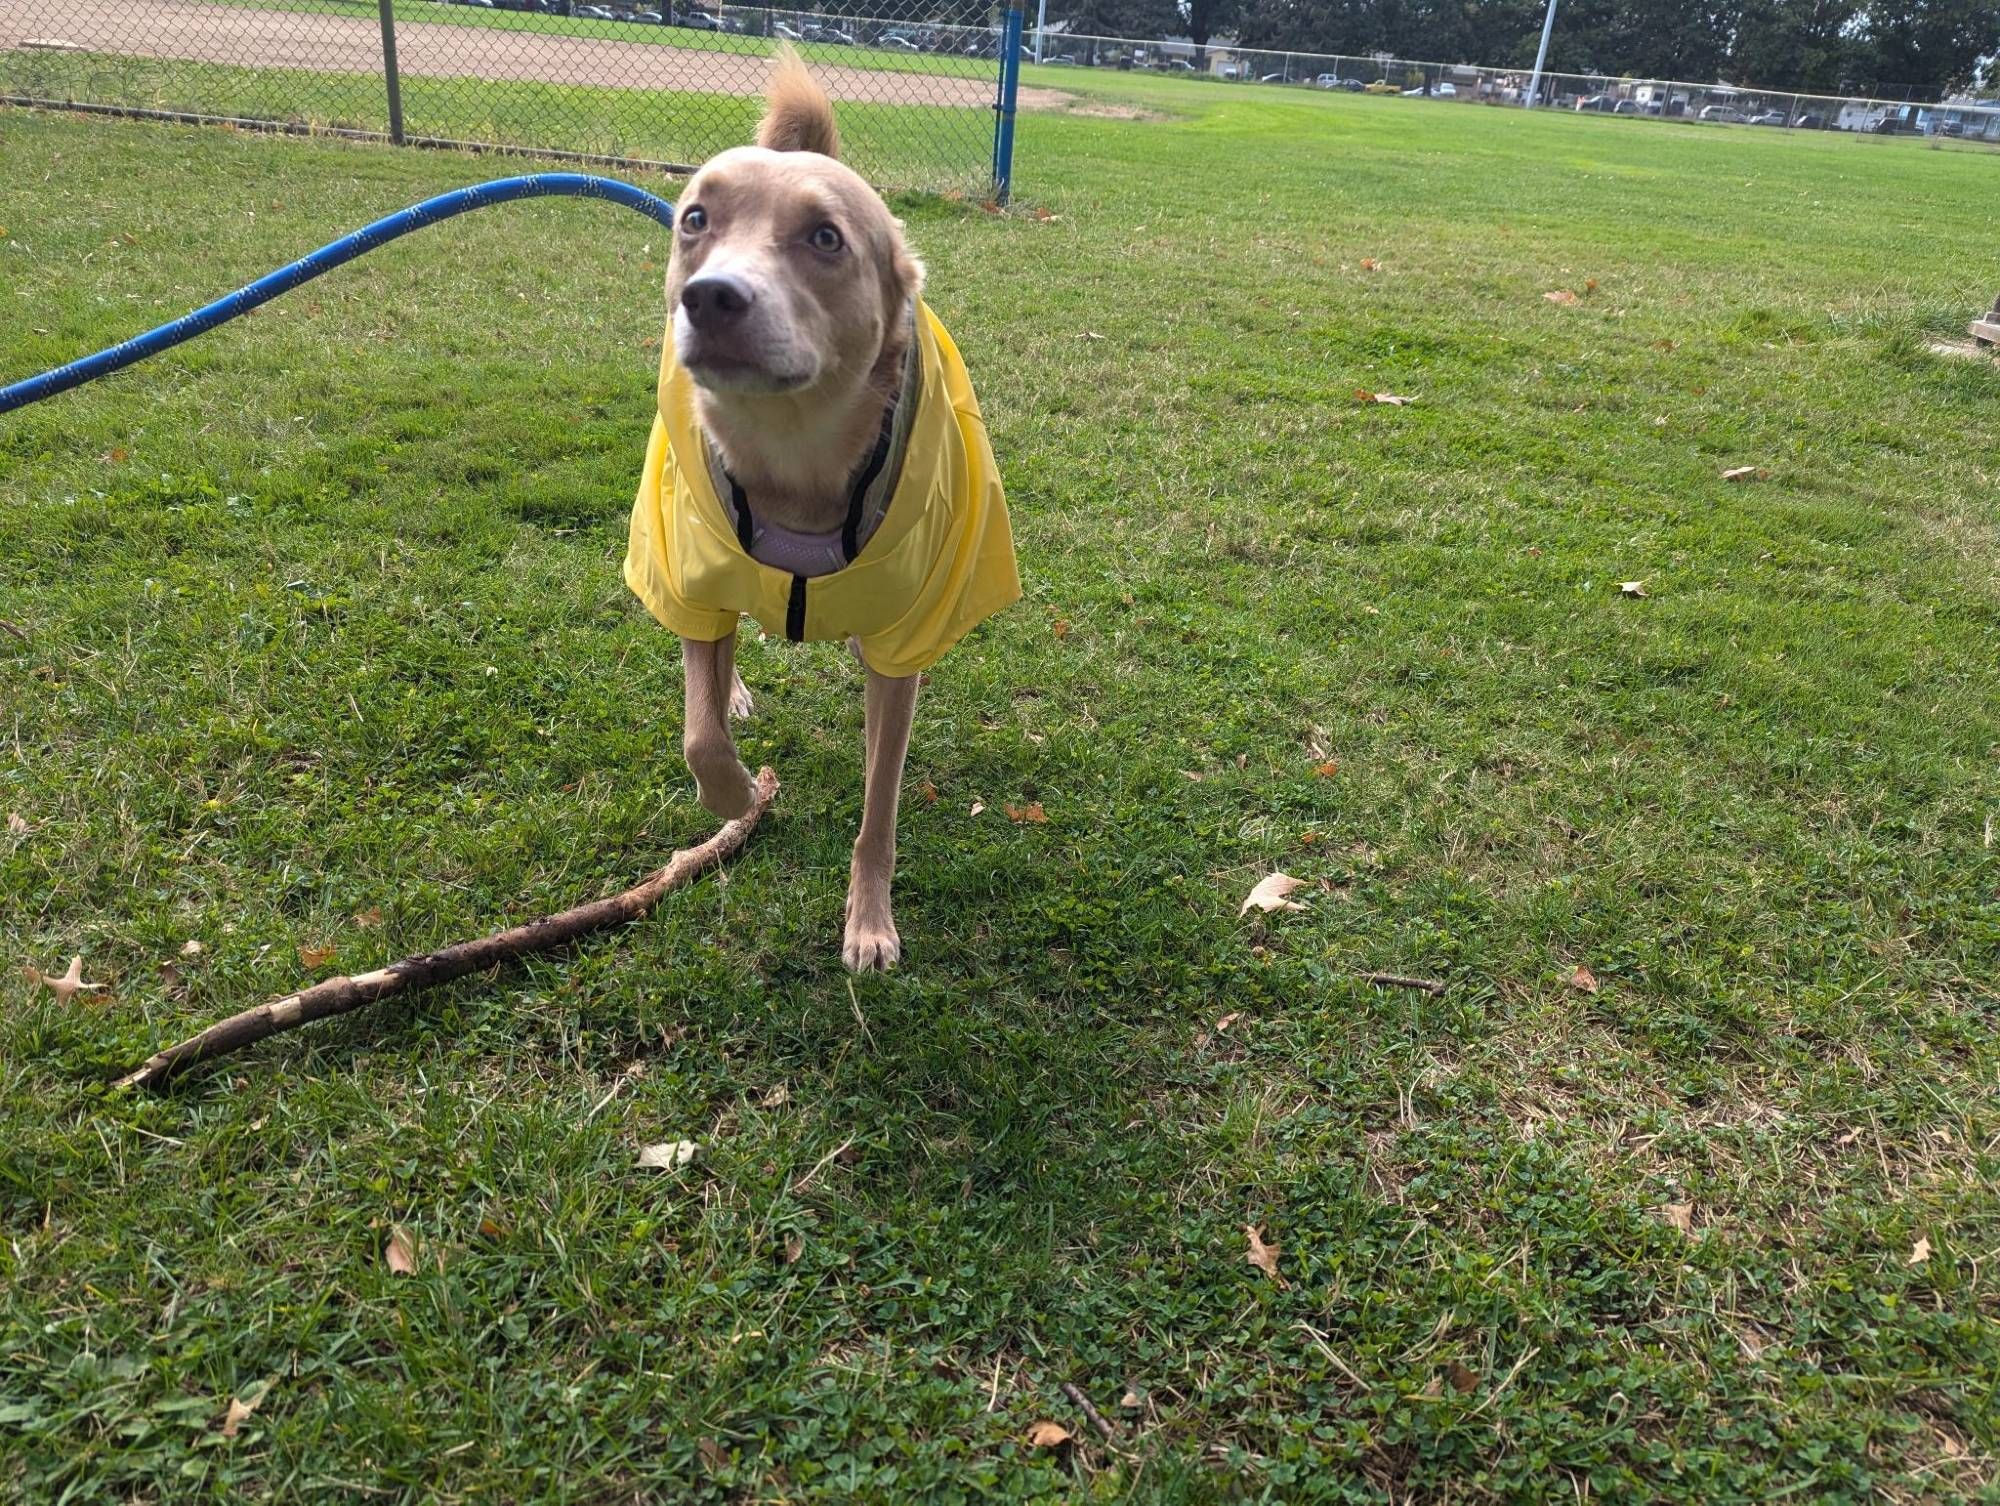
[1925,48]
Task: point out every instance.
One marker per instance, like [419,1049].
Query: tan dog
[818,462]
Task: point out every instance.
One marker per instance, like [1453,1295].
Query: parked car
[1279,78]
[647,18]
[1810,121]
[1436,91]
[895,42]
[779,29]
[1059,60]
[1177,65]
[1601,104]
[1727,114]
[1768,118]
[1329,81]
[835,34]
[1633,107]
[1380,86]
[701,20]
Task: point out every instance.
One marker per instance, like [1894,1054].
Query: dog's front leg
[871,941]
[714,693]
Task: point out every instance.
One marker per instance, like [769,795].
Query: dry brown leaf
[1227,1020]
[118,455]
[1746,473]
[492,1226]
[398,1254]
[669,1154]
[1433,1388]
[1561,295]
[369,918]
[1680,1215]
[1032,814]
[1391,399]
[1632,588]
[1920,1251]
[69,984]
[978,806]
[1583,980]
[1590,284]
[1270,894]
[1261,1255]
[191,949]
[775,1098]
[714,1457]
[1131,1400]
[1042,212]
[1047,1435]
[1370,264]
[1463,1380]
[1060,627]
[17,823]
[1666,345]
[1848,1138]
[240,1408]
[1327,769]
[794,1248]
[1307,838]
[316,956]
[927,792]
[1193,776]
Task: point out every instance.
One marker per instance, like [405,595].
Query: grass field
[318,641]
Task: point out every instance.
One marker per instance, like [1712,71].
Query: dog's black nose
[715,299]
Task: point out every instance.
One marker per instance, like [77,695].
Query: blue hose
[264,289]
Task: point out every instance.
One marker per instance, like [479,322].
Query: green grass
[322,616]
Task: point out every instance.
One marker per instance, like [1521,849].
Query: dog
[817,462]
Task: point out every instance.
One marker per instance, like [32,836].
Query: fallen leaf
[1131,1399]
[69,984]
[118,455]
[398,1253]
[1433,1388]
[1561,295]
[1370,264]
[1632,588]
[1590,285]
[1680,1215]
[240,1408]
[714,1458]
[1666,345]
[978,806]
[927,792]
[1061,627]
[1261,1255]
[775,1098]
[17,823]
[1849,1138]
[1042,212]
[794,1248]
[316,956]
[1746,473]
[1270,894]
[1363,395]
[369,918]
[1090,334]
[669,1154]
[1328,769]
[1032,814]
[1193,776]
[1307,838]
[1920,1251]
[1227,1020]
[1047,1435]
[1583,980]
[491,1226]
[192,949]
[1462,1379]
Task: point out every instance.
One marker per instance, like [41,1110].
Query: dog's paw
[871,946]
[740,704]
[723,785]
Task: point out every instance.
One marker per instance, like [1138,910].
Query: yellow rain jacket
[940,562]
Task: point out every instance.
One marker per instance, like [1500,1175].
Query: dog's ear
[797,117]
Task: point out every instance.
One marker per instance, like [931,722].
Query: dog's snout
[715,299]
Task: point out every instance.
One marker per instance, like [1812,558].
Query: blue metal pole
[1010,89]
[1541,57]
[264,289]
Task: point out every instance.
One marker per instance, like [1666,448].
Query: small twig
[1327,1349]
[820,1165]
[1397,980]
[342,995]
[14,629]
[1096,1417]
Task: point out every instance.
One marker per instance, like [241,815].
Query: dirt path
[343,44]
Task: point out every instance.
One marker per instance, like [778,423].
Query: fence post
[390,76]
[1003,108]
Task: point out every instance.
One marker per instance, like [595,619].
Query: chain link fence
[661,83]
[1594,93]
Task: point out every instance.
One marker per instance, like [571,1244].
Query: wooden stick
[341,995]
[1096,1417]
[1396,980]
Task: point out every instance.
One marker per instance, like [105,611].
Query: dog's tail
[797,117]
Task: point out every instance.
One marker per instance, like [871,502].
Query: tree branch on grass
[342,995]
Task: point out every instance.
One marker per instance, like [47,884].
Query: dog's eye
[694,220]
[827,239]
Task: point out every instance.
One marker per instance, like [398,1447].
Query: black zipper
[795,611]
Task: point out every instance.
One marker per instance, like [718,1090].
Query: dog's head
[787,271]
